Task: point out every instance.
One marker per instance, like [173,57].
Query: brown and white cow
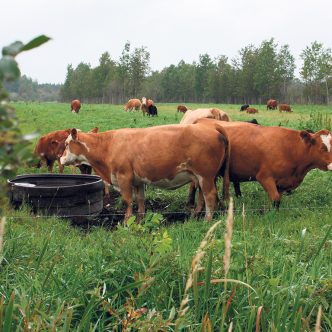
[278,158]
[132,104]
[251,110]
[182,108]
[285,107]
[50,147]
[167,156]
[146,103]
[75,106]
[212,113]
[271,104]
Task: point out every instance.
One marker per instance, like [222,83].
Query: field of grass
[58,276]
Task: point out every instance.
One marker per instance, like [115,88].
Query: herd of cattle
[271,104]
[205,145]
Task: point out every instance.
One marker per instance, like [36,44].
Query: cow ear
[94,130]
[307,138]
[55,142]
[74,134]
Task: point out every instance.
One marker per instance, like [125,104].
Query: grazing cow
[182,108]
[244,107]
[132,104]
[50,147]
[278,158]
[167,156]
[152,110]
[146,103]
[75,106]
[271,104]
[285,107]
[213,113]
[251,110]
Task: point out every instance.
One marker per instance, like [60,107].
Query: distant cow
[146,103]
[212,113]
[251,110]
[50,147]
[280,163]
[75,106]
[271,104]
[285,107]
[132,104]
[182,108]
[152,110]
[244,107]
[196,154]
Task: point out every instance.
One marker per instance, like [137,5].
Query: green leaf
[13,49]
[35,42]
[9,68]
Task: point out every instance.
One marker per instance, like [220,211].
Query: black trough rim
[50,175]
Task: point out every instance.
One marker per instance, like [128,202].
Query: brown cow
[146,103]
[278,158]
[167,156]
[284,107]
[75,106]
[132,104]
[182,108]
[50,147]
[213,113]
[271,104]
[251,110]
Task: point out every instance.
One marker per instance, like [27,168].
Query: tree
[316,68]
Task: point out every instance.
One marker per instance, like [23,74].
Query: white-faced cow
[164,156]
[278,158]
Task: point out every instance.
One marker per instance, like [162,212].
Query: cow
[284,107]
[132,104]
[146,103]
[152,110]
[168,157]
[50,147]
[278,158]
[213,113]
[182,109]
[75,106]
[244,107]
[271,104]
[251,110]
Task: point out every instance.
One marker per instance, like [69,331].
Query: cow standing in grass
[167,157]
[75,106]
[212,113]
[132,104]
[278,158]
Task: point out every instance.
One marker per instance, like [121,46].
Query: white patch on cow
[329,167]
[179,180]
[326,139]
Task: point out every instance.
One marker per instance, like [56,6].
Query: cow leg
[126,189]
[192,194]
[237,189]
[140,202]
[61,167]
[50,164]
[270,187]
[200,202]
[210,196]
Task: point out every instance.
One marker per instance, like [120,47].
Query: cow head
[320,144]
[75,150]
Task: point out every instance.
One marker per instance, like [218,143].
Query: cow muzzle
[329,167]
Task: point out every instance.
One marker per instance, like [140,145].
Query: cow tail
[224,169]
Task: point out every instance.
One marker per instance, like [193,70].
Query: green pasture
[60,276]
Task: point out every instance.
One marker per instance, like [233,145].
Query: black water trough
[58,194]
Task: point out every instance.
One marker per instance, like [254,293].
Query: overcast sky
[81,30]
